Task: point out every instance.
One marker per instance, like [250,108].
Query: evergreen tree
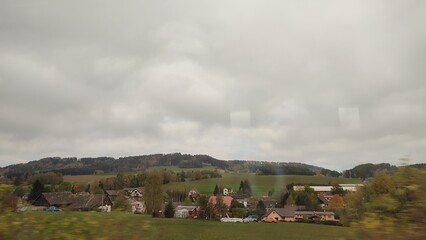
[121,181]
[260,208]
[241,188]
[283,198]
[216,190]
[182,176]
[236,204]
[36,190]
[247,187]
[169,210]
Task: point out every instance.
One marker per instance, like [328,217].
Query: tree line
[274,169]
[85,166]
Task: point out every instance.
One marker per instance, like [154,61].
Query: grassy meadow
[116,225]
[261,184]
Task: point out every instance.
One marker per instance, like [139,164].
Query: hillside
[85,166]
[368,170]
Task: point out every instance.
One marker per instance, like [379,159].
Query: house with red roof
[227,200]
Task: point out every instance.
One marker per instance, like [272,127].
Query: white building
[227,190]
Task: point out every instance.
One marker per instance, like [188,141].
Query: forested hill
[75,166]
[368,170]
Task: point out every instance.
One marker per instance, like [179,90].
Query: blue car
[52,209]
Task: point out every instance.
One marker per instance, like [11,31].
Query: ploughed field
[116,225]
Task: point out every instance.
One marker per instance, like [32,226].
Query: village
[224,204]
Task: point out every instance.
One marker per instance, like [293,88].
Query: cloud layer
[329,83]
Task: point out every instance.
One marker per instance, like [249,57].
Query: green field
[93,225]
[260,184]
[178,169]
[97,177]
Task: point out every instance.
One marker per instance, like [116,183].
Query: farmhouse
[227,200]
[112,194]
[134,193]
[193,195]
[57,199]
[350,187]
[270,204]
[137,206]
[328,189]
[292,213]
[185,211]
[324,199]
[322,189]
[88,202]
[313,215]
[243,201]
[280,214]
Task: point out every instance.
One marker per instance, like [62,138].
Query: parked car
[269,220]
[52,209]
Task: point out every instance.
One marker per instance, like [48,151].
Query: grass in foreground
[92,225]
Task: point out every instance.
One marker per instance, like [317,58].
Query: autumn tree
[220,207]
[8,201]
[203,202]
[394,206]
[382,183]
[336,203]
[355,207]
[153,192]
[121,181]
[210,212]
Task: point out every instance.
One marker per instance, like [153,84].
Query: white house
[227,190]
[135,193]
[137,206]
[185,211]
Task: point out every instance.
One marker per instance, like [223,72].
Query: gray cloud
[92,78]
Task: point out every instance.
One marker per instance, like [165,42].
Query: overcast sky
[329,83]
